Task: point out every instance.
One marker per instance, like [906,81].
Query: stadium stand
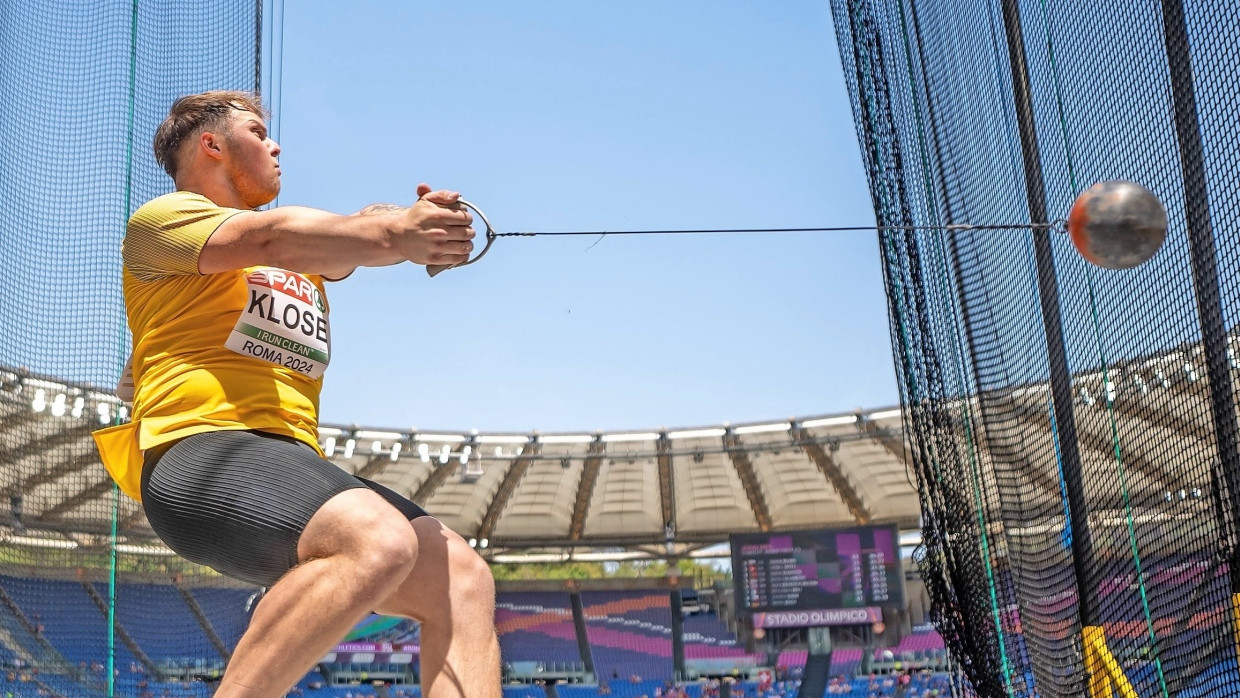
[156,617]
[71,622]
[515,496]
[846,661]
[630,633]
[706,637]
[580,490]
[536,627]
[619,688]
[524,691]
[224,608]
[921,643]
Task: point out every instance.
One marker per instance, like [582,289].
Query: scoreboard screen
[855,570]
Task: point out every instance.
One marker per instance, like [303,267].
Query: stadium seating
[74,625]
[160,622]
[399,691]
[524,691]
[623,688]
[921,644]
[845,662]
[225,608]
[792,658]
[71,621]
[706,637]
[536,626]
[630,633]
[20,635]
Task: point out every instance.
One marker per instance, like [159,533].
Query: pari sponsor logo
[818,617]
[291,284]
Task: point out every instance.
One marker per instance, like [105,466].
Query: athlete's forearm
[372,210]
[313,241]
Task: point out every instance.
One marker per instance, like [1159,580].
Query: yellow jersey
[243,349]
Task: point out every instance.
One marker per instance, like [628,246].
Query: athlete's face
[253,159]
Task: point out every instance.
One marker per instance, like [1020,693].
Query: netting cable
[277,74]
[957,354]
[113,541]
[901,293]
[1096,326]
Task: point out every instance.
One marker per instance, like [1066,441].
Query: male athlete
[230,328]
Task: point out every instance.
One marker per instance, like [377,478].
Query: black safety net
[1073,427]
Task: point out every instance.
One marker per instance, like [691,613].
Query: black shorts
[237,501]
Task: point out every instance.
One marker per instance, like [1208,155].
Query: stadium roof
[551,492]
[644,491]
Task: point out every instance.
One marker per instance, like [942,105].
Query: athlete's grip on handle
[434,269]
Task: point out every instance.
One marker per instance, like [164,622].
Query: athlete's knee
[471,579]
[362,526]
[387,549]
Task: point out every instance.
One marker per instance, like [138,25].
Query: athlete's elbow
[311,242]
[295,241]
[282,248]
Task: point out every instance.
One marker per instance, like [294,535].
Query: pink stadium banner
[817,617]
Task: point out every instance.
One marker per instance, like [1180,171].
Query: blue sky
[556,116]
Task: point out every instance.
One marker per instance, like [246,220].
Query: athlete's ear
[211,144]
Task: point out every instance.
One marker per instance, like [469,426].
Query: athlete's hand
[437,229]
[443,197]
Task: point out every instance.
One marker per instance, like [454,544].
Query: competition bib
[284,322]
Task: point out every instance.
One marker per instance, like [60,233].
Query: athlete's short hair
[193,114]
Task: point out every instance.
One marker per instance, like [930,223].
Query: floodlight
[885,414]
[566,439]
[762,428]
[620,438]
[829,421]
[502,439]
[696,433]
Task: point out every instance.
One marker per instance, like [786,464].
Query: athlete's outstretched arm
[311,241]
[371,210]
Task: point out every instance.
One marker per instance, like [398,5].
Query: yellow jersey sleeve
[166,235]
